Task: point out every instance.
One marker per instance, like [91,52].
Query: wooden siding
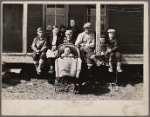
[35,20]
[128,22]
[78,12]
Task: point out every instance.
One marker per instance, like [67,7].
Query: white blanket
[67,67]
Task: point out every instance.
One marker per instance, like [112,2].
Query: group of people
[46,47]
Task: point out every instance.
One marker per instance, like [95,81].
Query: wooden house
[20,22]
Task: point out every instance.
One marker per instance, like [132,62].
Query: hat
[39,29]
[87,25]
[68,32]
[111,31]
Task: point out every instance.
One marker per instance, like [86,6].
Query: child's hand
[37,51]
[109,50]
[102,53]
[53,48]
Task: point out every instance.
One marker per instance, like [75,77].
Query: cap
[39,29]
[68,32]
[111,31]
[87,25]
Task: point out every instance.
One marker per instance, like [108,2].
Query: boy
[104,50]
[39,49]
[113,51]
[69,38]
[67,53]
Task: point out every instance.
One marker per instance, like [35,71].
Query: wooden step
[126,59]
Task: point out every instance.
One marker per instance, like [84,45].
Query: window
[55,15]
[103,18]
[91,15]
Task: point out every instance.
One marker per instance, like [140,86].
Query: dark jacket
[113,44]
[71,41]
[61,34]
[75,31]
[49,41]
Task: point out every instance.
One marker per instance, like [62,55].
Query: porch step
[126,59]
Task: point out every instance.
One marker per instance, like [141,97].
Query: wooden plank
[98,28]
[126,59]
[24,42]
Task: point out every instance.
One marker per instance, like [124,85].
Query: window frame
[66,11]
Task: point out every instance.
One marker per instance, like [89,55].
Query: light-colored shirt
[54,40]
[85,38]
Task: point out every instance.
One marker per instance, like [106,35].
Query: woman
[53,41]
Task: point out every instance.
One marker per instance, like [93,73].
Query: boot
[110,69]
[119,67]
[41,61]
[36,63]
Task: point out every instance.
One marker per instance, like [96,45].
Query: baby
[67,53]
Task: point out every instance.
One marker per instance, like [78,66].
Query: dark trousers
[36,56]
[117,55]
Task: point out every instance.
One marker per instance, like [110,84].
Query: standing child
[113,51]
[39,49]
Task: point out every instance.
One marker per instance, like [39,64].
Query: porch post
[24,37]
[98,28]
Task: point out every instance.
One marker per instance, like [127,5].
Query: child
[104,50]
[68,38]
[39,49]
[67,53]
[113,51]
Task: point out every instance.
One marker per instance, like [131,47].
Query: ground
[15,88]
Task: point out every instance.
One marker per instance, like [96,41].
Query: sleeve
[33,46]
[44,46]
[115,46]
[79,40]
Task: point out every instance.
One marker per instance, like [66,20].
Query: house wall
[128,22]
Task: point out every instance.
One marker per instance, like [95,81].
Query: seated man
[86,43]
[67,53]
[39,49]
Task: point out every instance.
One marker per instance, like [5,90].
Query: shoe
[119,69]
[110,69]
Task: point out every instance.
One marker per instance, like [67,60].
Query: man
[86,43]
[74,28]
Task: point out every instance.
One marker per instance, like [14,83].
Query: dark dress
[49,41]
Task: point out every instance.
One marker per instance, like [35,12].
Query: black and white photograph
[74,58]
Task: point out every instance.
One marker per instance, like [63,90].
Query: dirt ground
[15,88]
